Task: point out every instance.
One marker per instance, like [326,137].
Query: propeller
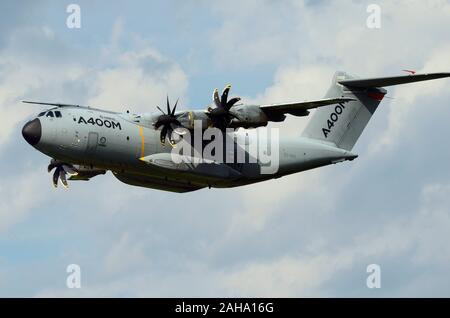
[169,123]
[61,170]
[221,115]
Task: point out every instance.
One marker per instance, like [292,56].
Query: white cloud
[24,77]
[18,196]
[405,108]
[140,81]
[423,232]
[124,255]
[305,271]
[287,277]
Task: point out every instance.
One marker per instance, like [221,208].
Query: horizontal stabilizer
[390,81]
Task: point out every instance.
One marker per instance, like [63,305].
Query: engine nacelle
[248,116]
[187,119]
[86,172]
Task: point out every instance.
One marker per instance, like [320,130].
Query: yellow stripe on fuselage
[141,132]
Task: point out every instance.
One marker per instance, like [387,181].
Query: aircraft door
[92,143]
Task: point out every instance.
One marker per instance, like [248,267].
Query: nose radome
[32,131]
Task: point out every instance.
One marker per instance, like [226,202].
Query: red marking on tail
[409,71]
[376,96]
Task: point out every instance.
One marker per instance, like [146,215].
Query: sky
[311,234]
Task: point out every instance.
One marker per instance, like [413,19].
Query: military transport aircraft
[84,142]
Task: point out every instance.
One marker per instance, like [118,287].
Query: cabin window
[58,114]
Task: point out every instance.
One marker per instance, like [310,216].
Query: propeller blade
[160,110]
[168,106]
[162,136]
[174,108]
[62,177]
[55,177]
[158,124]
[232,102]
[216,98]
[224,98]
[171,140]
[50,167]
[53,164]
[68,169]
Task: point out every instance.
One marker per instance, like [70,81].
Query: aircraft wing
[66,105]
[300,108]
[53,104]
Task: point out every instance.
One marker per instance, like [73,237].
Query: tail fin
[342,124]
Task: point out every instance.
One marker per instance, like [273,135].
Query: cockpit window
[41,114]
[50,114]
[58,114]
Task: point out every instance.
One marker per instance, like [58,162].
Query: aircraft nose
[32,131]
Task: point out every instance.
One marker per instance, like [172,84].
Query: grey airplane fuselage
[117,141]
[135,149]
